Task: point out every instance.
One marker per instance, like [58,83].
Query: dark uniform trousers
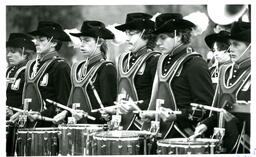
[55,84]
[104,79]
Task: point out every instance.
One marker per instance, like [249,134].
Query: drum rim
[37,129]
[80,125]
[202,142]
[206,145]
[116,139]
[207,140]
[103,135]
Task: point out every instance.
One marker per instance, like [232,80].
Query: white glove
[59,117]
[200,129]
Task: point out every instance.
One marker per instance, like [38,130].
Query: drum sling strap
[13,79]
[227,95]
[162,90]
[78,91]
[31,87]
[126,83]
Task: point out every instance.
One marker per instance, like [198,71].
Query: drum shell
[76,139]
[105,144]
[37,142]
[11,130]
[181,146]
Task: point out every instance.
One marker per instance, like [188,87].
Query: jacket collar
[49,55]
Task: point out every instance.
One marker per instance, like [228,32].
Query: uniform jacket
[105,83]
[15,83]
[55,84]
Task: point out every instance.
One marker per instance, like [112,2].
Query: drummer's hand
[200,129]
[166,114]
[59,117]
[227,116]
[105,115]
[124,106]
[15,117]
[78,114]
[33,116]
[9,112]
[146,116]
[110,109]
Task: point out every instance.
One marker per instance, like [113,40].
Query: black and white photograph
[127,79]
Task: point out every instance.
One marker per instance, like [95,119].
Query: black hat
[163,18]
[137,21]
[241,31]
[222,37]
[50,29]
[94,29]
[174,22]
[20,40]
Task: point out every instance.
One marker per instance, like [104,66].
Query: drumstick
[96,95]
[207,107]
[45,118]
[68,109]
[193,136]
[133,103]
[20,110]
[97,110]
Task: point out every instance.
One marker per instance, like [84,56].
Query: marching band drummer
[219,45]
[47,77]
[136,69]
[182,77]
[234,86]
[93,78]
[20,49]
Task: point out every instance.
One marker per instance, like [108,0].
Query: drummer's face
[219,54]
[134,40]
[14,56]
[165,43]
[237,49]
[44,44]
[88,46]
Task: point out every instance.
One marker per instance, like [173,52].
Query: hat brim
[56,34]
[170,26]
[20,43]
[210,39]
[244,36]
[101,33]
[139,24]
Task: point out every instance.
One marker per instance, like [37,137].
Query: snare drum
[121,143]
[37,142]
[76,139]
[183,146]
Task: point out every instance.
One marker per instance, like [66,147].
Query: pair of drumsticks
[39,117]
